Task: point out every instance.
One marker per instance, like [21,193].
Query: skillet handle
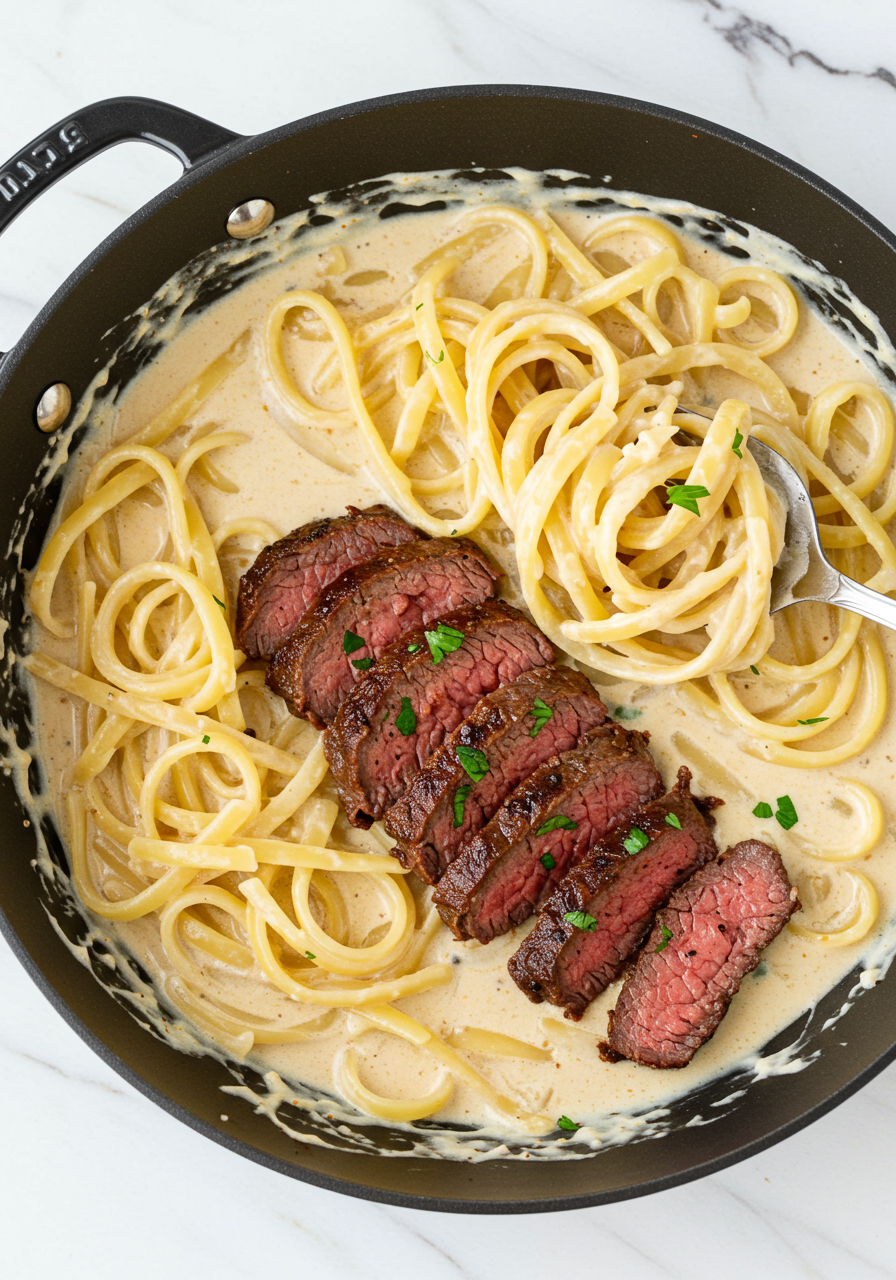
[96,128]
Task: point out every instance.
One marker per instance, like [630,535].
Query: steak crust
[620,890]
[499,878]
[289,574]
[373,760]
[397,591]
[704,942]
[515,742]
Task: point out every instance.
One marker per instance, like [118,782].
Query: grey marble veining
[96,1179]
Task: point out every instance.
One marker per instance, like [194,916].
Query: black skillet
[643,148]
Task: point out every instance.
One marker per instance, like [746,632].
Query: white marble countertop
[101,1179]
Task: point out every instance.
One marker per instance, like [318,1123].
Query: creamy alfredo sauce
[287,476]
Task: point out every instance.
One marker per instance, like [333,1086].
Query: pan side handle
[96,128]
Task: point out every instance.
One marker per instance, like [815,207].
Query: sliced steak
[499,877]
[397,591]
[515,740]
[291,573]
[704,942]
[619,887]
[373,752]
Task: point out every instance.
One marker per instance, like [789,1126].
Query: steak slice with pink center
[704,942]
[358,616]
[602,911]
[374,751]
[291,573]
[546,826]
[443,807]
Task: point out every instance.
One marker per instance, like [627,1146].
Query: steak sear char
[373,756]
[619,887]
[508,868]
[705,941]
[288,575]
[503,725]
[395,592]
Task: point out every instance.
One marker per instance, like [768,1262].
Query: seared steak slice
[397,591]
[619,886]
[499,877]
[289,574]
[704,942]
[373,753]
[515,740]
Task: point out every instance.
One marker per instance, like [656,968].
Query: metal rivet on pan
[53,407]
[249,219]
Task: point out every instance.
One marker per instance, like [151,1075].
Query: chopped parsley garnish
[414,648]
[351,643]
[738,441]
[460,799]
[626,713]
[406,721]
[548,861]
[542,713]
[443,640]
[786,813]
[220,602]
[473,761]
[686,495]
[755,670]
[814,720]
[763,810]
[557,823]
[565,1123]
[434,360]
[635,841]
[672,821]
[667,938]
[362,663]
[453,532]
[310,955]
[205,739]
[581,920]
[418,306]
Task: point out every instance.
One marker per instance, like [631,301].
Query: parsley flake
[763,810]
[786,814]
[738,441]
[559,822]
[363,664]
[548,861]
[418,306]
[814,720]
[686,495]
[672,821]
[473,761]
[414,648]
[565,1123]
[406,721]
[205,739]
[626,713]
[443,640]
[542,714]
[433,359]
[581,920]
[310,955]
[667,938]
[755,670]
[220,602]
[351,643]
[635,841]
[460,799]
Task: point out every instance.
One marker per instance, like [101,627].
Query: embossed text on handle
[34,164]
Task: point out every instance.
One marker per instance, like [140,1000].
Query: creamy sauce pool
[364,265]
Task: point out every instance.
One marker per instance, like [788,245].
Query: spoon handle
[861,599]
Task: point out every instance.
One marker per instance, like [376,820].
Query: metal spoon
[803,572]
